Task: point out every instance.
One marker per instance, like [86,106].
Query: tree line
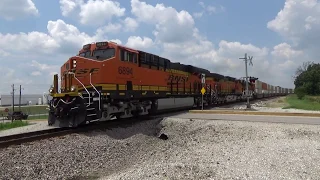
[307,79]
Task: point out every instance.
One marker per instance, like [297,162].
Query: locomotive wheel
[80,116]
[154,106]
[51,119]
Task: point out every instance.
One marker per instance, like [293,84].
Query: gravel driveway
[196,149]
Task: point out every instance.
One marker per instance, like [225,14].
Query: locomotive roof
[200,70]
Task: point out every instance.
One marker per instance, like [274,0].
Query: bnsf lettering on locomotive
[177,78]
[84,71]
[125,70]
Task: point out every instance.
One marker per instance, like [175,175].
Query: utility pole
[12,97]
[20,99]
[246,59]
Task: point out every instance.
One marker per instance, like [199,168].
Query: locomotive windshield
[99,54]
[86,54]
[102,54]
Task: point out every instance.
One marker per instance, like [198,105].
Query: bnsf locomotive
[106,81]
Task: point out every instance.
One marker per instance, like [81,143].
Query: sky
[38,36]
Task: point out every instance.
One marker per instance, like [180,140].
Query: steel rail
[17,139]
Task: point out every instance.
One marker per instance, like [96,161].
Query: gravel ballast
[195,149]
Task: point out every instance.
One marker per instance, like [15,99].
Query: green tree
[307,79]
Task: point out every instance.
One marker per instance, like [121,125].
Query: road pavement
[252,118]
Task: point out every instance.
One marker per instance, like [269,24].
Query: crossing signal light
[253,79]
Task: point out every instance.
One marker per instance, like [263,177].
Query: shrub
[300,92]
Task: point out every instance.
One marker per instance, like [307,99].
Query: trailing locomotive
[107,80]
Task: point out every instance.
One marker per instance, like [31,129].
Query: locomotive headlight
[73,88]
[50,90]
[74,63]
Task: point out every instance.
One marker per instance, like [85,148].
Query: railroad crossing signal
[203,78]
[203,90]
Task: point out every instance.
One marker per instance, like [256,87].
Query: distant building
[26,99]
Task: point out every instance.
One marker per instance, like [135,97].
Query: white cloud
[285,51]
[211,9]
[10,9]
[118,41]
[92,12]
[139,43]
[36,41]
[176,33]
[96,12]
[61,37]
[299,22]
[286,59]
[42,67]
[110,28]
[68,36]
[180,40]
[130,24]
[171,26]
[31,58]
[33,76]
[69,6]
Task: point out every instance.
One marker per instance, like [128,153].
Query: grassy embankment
[14,124]
[307,103]
[34,112]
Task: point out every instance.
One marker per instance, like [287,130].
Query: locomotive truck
[106,81]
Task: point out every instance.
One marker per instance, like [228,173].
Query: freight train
[107,81]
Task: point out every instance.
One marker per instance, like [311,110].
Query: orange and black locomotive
[107,80]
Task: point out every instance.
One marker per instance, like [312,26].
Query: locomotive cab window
[103,54]
[85,54]
[128,56]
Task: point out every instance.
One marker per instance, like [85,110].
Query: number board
[125,70]
[99,44]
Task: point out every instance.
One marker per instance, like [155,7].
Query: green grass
[14,124]
[307,103]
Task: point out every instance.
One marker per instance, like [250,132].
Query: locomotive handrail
[55,106]
[82,86]
[96,91]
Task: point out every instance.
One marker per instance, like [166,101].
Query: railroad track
[17,139]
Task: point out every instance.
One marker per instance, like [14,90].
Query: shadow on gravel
[127,130]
